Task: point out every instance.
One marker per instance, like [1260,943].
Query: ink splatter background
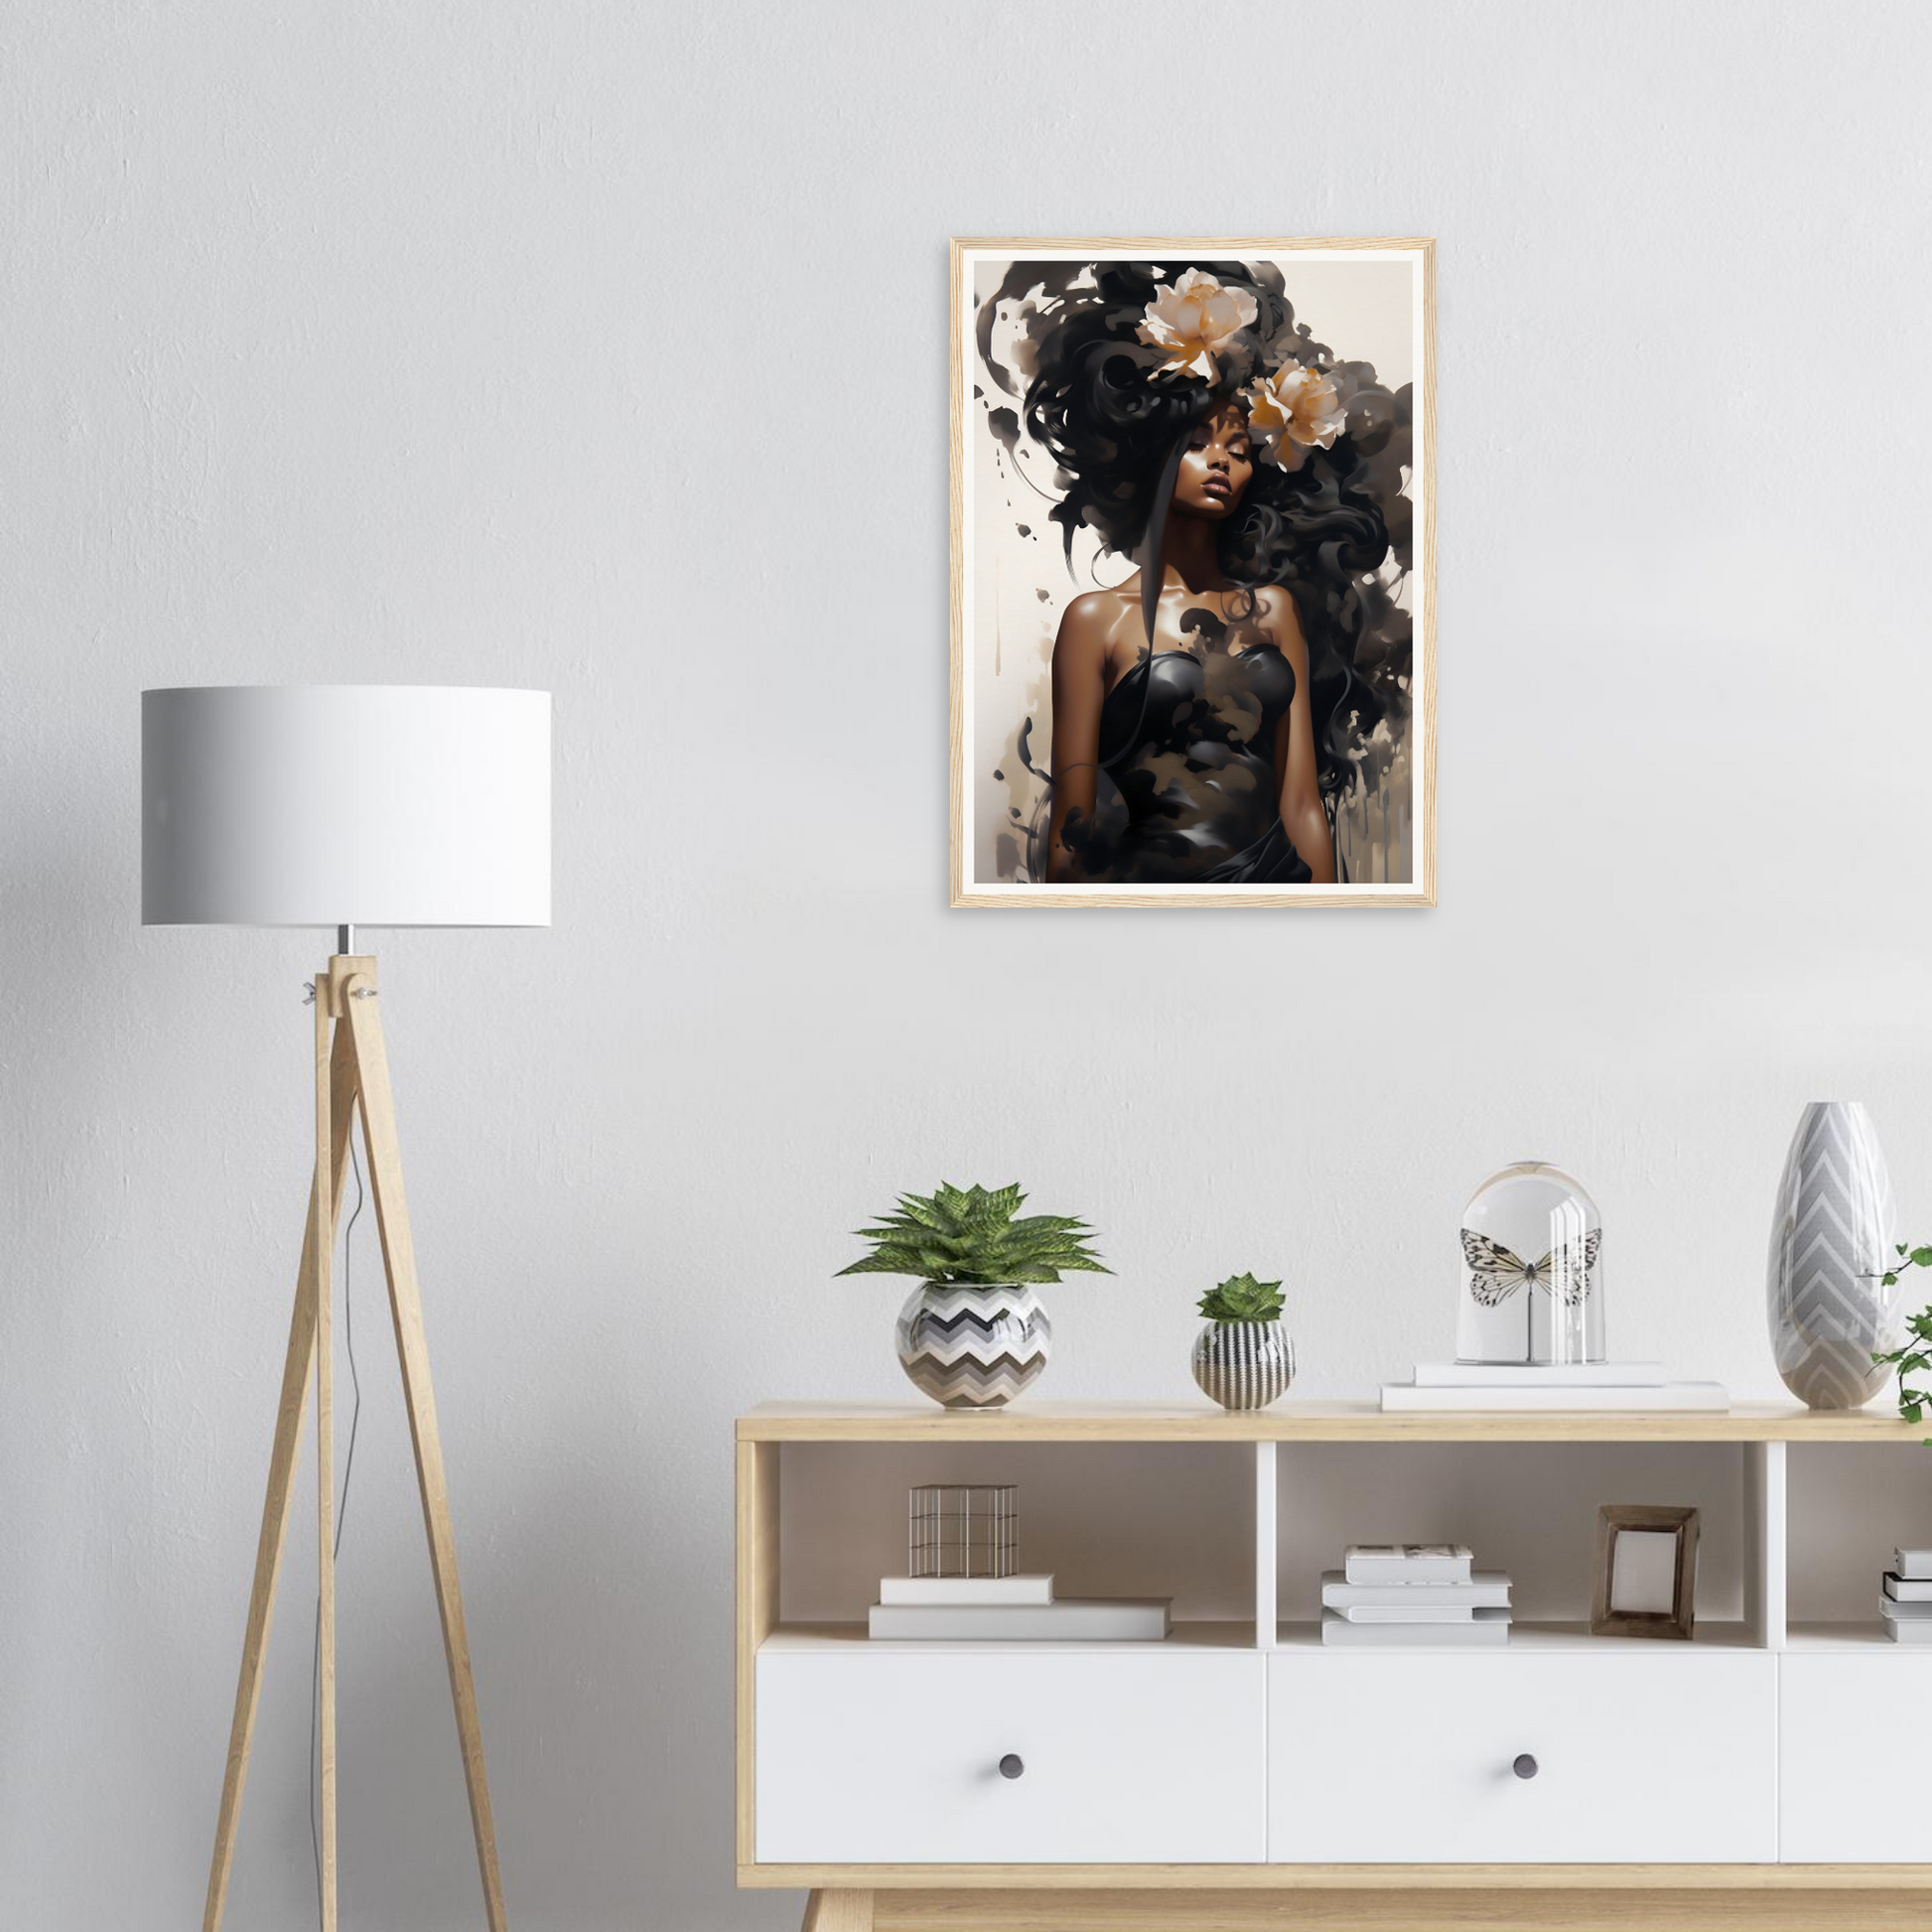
[1365,311]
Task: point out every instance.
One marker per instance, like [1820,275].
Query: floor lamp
[346,805]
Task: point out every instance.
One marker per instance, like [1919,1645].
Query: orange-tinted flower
[1294,411]
[1193,320]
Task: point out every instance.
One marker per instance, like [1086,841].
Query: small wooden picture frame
[1646,1572]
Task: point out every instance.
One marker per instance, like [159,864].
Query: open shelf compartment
[1104,1519]
[1530,1511]
[1849,1505]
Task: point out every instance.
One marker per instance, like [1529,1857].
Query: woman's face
[1215,465]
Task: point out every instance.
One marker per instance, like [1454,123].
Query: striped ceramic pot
[973,1347]
[1244,1364]
[1832,1241]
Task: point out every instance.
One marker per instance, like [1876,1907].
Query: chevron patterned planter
[1243,1364]
[1831,1239]
[973,1347]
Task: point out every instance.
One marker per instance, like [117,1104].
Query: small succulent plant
[1243,1299]
[974,1238]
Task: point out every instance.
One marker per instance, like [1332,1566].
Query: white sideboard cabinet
[1762,1777]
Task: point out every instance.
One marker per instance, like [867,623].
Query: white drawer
[1851,1777]
[1385,1758]
[869,1755]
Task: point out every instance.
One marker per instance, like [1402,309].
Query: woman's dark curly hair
[1094,400]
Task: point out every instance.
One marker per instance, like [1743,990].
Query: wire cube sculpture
[963,1529]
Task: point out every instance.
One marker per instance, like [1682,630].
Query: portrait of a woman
[1227,693]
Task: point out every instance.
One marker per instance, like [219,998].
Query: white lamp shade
[345,804]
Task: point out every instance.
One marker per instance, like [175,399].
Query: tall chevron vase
[1832,1240]
[973,1347]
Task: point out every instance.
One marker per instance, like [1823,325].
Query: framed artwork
[1646,1572]
[1193,573]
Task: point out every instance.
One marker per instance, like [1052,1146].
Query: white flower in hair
[1193,320]
[1294,411]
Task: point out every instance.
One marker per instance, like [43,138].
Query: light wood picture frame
[1303,370]
[1613,1613]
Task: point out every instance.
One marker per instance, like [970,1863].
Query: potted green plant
[1243,1356]
[973,1335]
[1914,1355]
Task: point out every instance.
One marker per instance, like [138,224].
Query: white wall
[603,349]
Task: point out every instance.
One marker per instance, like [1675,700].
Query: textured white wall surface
[603,349]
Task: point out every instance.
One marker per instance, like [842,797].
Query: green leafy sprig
[974,1238]
[1915,1358]
[1243,1299]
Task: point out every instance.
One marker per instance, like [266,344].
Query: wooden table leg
[838,1911]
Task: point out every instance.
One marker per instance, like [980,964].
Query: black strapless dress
[1189,745]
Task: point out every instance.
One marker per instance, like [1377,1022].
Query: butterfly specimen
[1496,1274]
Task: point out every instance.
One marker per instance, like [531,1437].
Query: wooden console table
[1762,1778]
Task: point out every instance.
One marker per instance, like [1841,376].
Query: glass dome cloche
[1532,1277]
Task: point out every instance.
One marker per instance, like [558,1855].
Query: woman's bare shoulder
[1275,609]
[1091,622]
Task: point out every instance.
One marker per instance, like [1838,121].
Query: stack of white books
[1522,1388]
[1390,1595]
[1015,1610]
[1905,1602]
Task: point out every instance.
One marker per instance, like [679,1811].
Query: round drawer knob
[1013,1765]
[1525,1766]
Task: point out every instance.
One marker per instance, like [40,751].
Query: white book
[1704,1397]
[1483,1627]
[1915,1566]
[1907,1590]
[965,1590]
[1073,1621]
[1407,1563]
[1909,1632]
[1432,1614]
[1486,1590]
[1905,1613]
[1540,1375]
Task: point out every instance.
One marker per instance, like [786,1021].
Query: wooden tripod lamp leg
[281,1471]
[324,1245]
[405,1306]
